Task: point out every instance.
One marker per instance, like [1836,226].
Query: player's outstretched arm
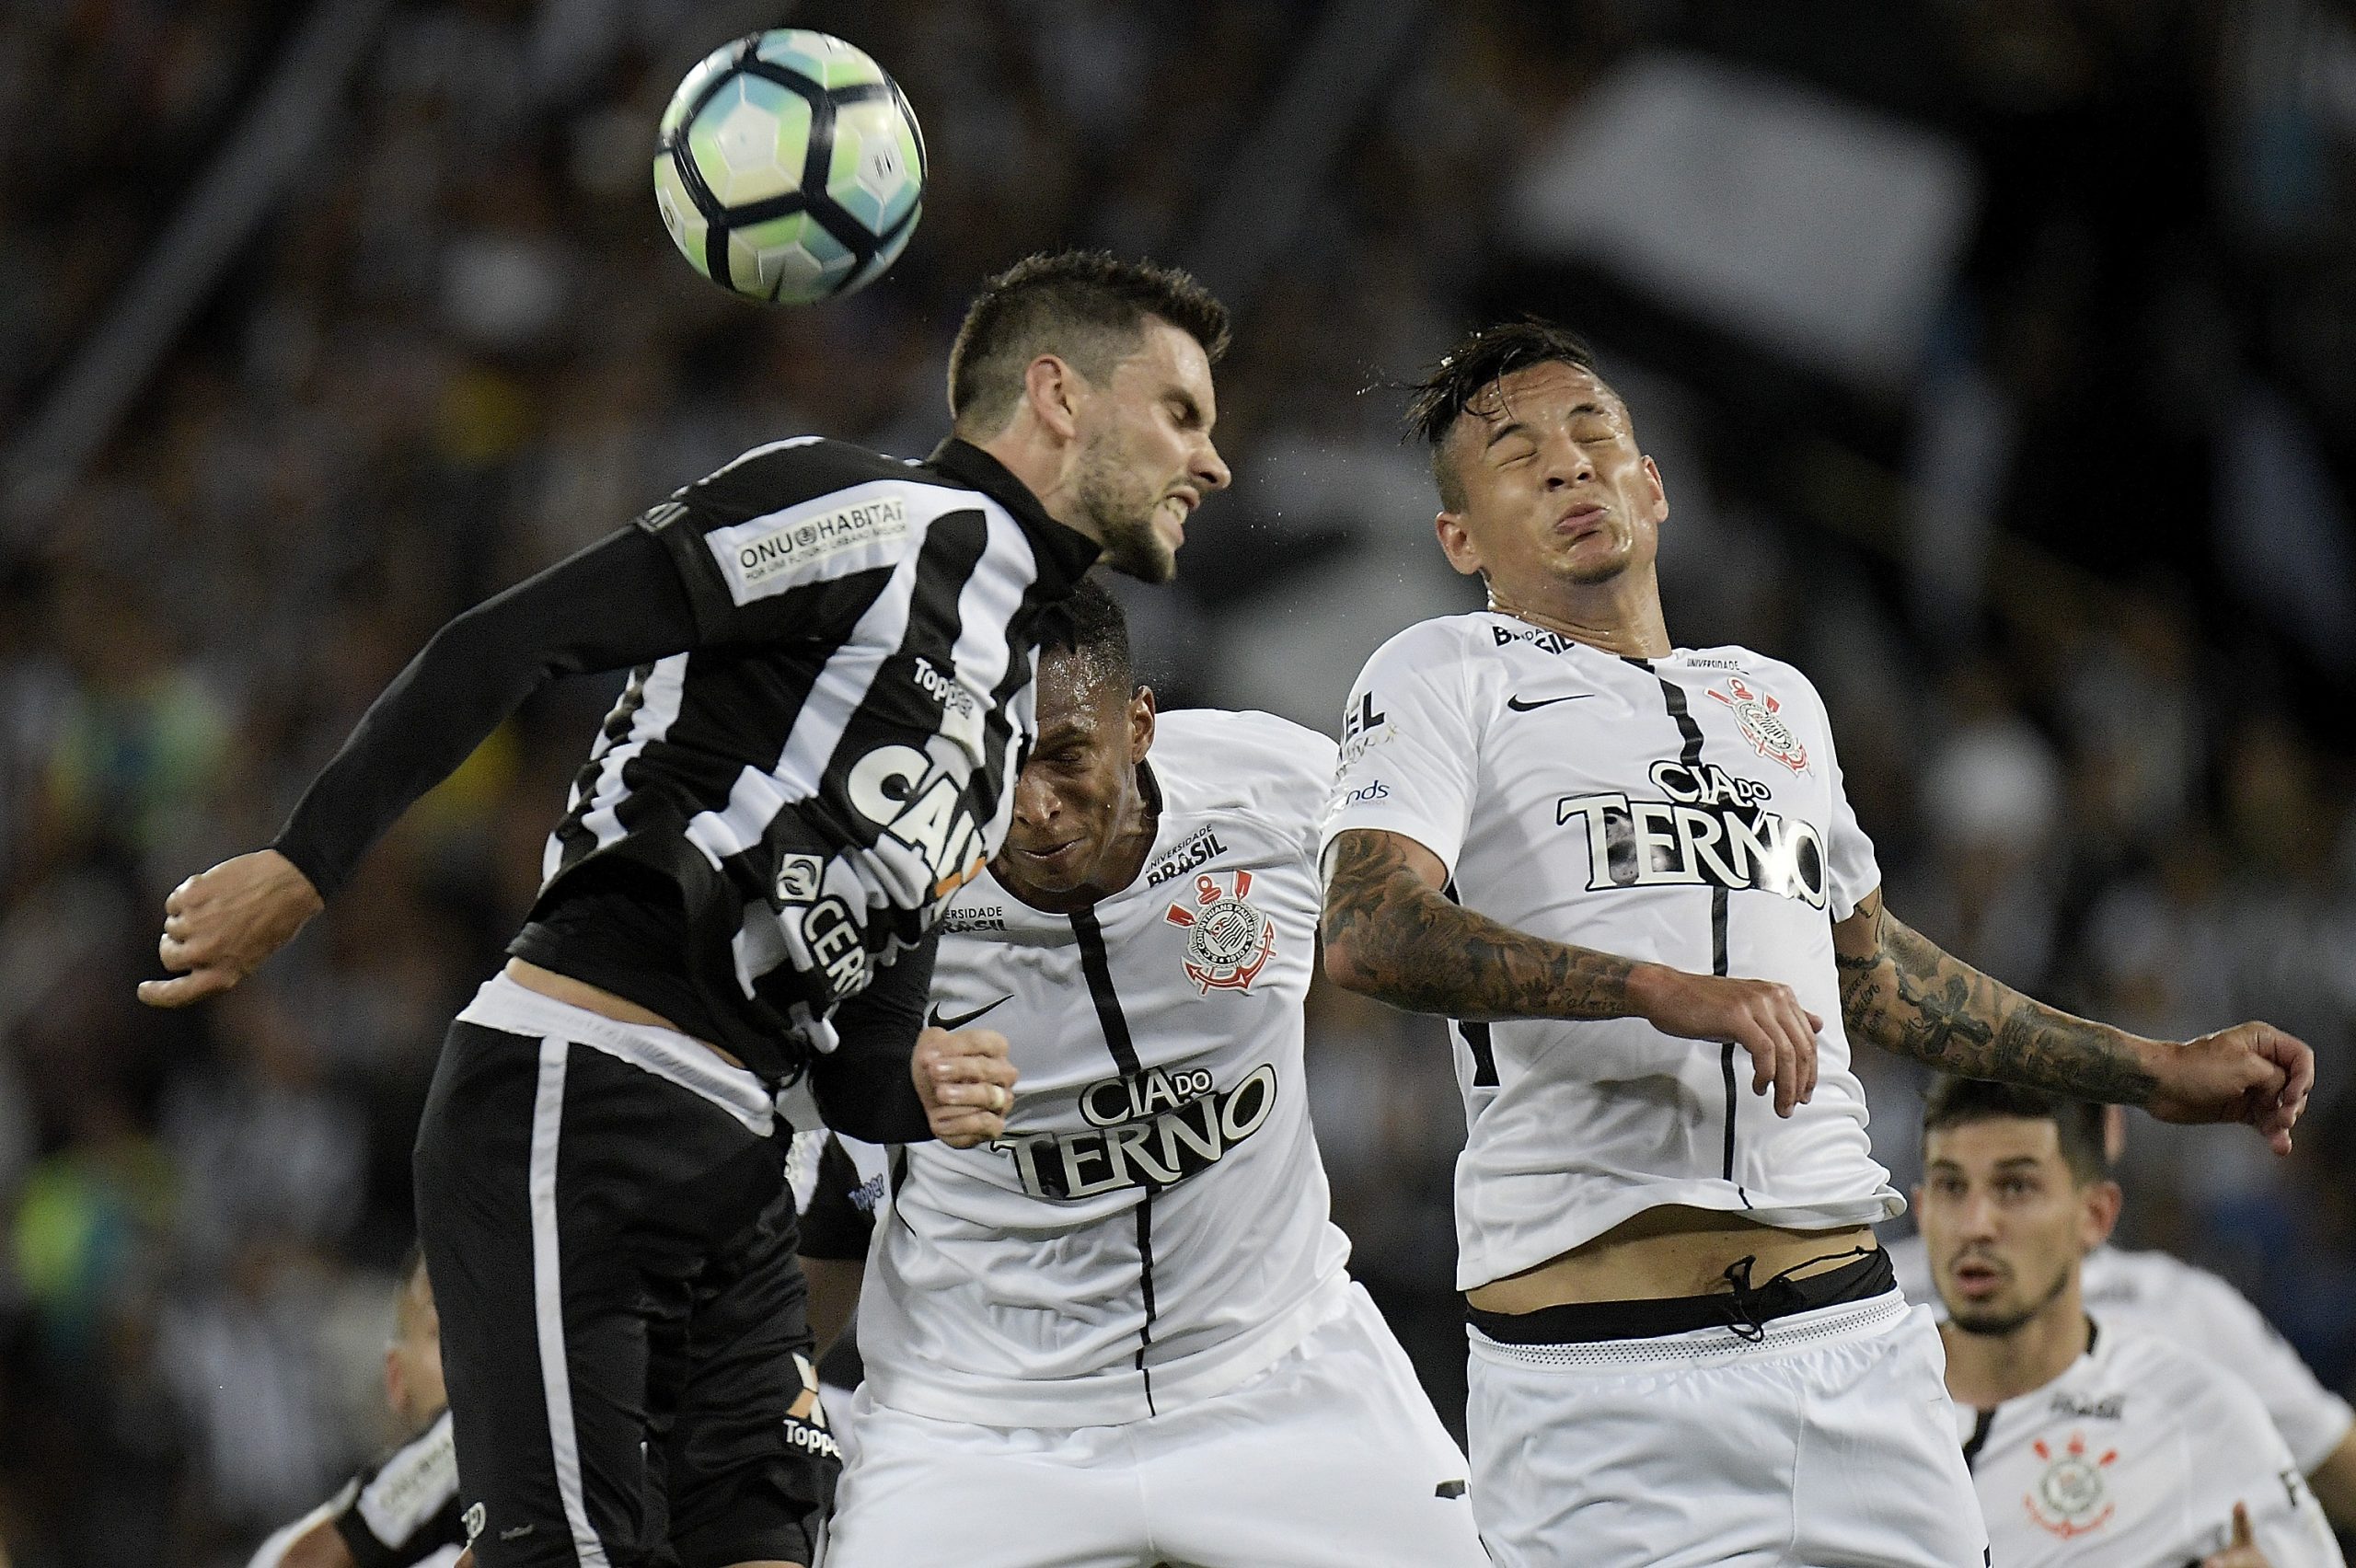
[618,603]
[1901,991]
[1390,933]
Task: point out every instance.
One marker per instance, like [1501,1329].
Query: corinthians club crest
[2070,1498]
[1227,941]
[1760,717]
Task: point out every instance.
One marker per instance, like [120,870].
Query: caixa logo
[920,806]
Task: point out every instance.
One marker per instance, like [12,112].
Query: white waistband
[1700,1346]
[503,1005]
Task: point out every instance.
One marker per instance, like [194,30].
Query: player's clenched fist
[2252,1072]
[1761,1016]
[219,925]
[966,1082]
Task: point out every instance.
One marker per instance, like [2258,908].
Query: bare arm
[2333,1483]
[1901,991]
[1390,933]
[834,1295]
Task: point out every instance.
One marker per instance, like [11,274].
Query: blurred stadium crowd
[2067,547]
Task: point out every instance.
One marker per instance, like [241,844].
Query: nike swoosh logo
[943,1020]
[1521,706]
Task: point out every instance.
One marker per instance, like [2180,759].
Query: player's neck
[1622,616]
[1984,1370]
[1048,470]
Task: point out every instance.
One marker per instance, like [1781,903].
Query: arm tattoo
[1907,996]
[1420,951]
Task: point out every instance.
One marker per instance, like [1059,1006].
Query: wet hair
[1092,628]
[1957,1102]
[1476,363]
[1085,306]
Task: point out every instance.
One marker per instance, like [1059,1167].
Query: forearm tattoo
[1907,996]
[1421,951]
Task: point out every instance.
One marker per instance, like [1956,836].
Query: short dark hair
[1476,363]
[1086,305]
[1958,1101]
[1091,627]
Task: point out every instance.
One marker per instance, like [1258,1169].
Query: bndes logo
[1711,830]
[1152,1130]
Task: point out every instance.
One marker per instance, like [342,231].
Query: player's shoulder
[1436,643]
[2174,1385]
[1242,759]
[797,469]
[1780,677]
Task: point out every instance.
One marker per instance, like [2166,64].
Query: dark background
[2000,356]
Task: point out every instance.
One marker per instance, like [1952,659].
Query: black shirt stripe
[1095,962]
[1673,698]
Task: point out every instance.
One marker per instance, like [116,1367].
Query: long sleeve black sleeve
[616,605]
[863,1087]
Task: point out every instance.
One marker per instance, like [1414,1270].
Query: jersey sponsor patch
[1198,848]
[2071,1498]
[769,554]
[1712,830]
[1761,718]
[1148,1130]
[1227,941]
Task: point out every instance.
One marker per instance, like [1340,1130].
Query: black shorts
[610,1237]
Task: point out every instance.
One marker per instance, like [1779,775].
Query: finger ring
[1000,1098]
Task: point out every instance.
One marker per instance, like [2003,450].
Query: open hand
[2241,1551]
[219,926]
[967,1083]
[2252,1072]
[1761,1016]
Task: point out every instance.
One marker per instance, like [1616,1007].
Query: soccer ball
[789,167]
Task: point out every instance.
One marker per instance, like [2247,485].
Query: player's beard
[1121,508]
[1997,1324]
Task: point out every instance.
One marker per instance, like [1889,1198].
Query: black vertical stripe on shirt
[1983,1420]
[1474,1035]
[1097,966]
[1673,698]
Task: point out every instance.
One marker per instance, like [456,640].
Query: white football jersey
[2193,1310]
[1687,811]
[2134,1458]
[1154,1227]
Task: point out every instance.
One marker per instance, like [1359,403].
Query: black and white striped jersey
[831,656]
[400,1513]
[1685,811]
[836,755]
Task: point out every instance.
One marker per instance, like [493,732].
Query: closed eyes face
[1553,485]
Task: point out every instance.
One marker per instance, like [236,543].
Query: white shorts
[1830,1443]
[1332,1458]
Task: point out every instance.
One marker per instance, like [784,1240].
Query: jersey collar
[970,466]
